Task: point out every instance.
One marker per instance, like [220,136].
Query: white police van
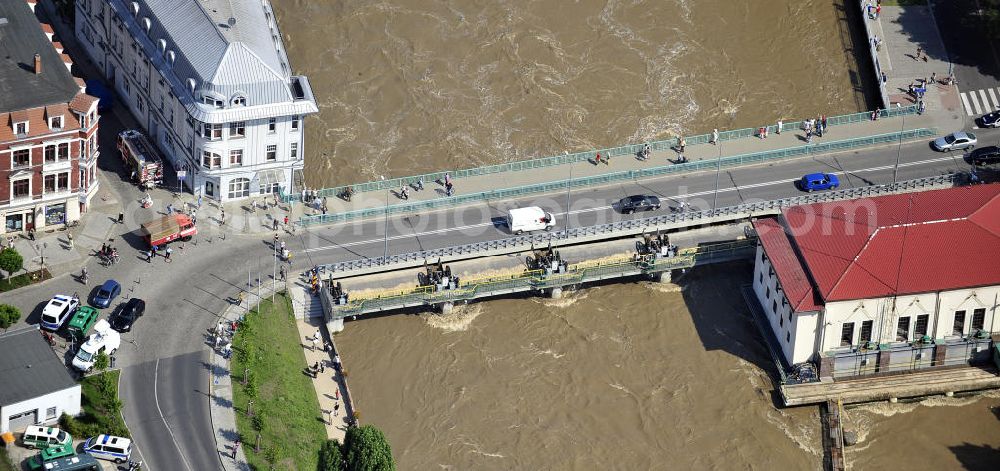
[107,447]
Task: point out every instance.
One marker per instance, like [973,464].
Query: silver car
[955,141]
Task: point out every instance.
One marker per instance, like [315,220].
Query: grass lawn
[99,415]
[285,399]
[24,279]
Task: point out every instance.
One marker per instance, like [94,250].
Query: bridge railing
[631,149]
[630,226]
[558,185]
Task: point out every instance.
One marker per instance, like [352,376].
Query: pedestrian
[282,273]
[875,115]
[597,161]
[322,367]
[681,143]
[933,77]
[760,132]
[31,236]
[336,394]
[778,129]
[336,409]
[149,256]
[286,220]
[921,107]
[222,219]
[765,132]
[199,201]
[715,136]
[327,346]
[809,136]
[884,78]
[121,217]
[819,127]
[170,209]
[274,224]
[920,51]
[282,243]
[447,178]
[169,251]
[449,189]
[313,344]
[104,248]
[822,119]
[878,11]
[236,447]
[69,237]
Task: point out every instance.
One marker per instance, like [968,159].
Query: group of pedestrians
[155,250]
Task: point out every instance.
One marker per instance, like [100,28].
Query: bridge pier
[664,276]
[335,325]
[447,307]
[556,293]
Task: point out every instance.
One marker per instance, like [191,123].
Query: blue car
[107,293]
[818,181]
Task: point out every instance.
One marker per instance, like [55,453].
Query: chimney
[38,64]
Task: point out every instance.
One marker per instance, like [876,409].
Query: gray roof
[21,37]
[29,367]
[228,47]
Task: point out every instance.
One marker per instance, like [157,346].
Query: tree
[366,449]
[330,458]
[9,315]
[10,260]
[102,362]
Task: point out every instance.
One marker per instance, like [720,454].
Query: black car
[989,120]
[989,155]
[631,204]
[132,311]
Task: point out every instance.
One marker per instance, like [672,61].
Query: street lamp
[41,249]
[899,148]
[385,252]
[718,173]
[569,187]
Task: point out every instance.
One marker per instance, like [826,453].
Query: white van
[107,447]
[104,339]
[44,437]
[529,219]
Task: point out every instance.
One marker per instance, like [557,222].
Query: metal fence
[559,185]
[630,226]
[632,149]
[907,358]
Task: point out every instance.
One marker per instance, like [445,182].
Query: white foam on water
[459,320]
[662,287]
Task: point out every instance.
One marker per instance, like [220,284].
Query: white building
[907,276]
[210,82]
[37,387]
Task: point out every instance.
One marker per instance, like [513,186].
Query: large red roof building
[48,127]
[880,272]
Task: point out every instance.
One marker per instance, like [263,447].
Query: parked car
[955,141]
[108,447]
[43,437]
[59,308]
[106,293]
[631,204]
[989,120]
[51,453]
[132,311]
[103,340]
[989,155]
[818,181]
[82,321]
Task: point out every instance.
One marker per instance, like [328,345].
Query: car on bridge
[989,120]
[818,181]
[954,141]
[631,204]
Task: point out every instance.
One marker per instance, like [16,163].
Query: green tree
[366,449]
[10,261]
[271,454]
[9,315]
[102,362]
[330,458]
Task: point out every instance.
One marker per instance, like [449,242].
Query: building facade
[883,283]
[37,386]
[48,128]
[210,83]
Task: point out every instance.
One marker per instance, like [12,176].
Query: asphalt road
[456,226]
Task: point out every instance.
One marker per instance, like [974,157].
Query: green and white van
[51,453]
[81,322]
[44,437]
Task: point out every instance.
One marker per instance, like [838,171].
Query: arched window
[239,100]
[239,188]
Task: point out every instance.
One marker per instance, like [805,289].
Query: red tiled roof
[792,278]
[892,245]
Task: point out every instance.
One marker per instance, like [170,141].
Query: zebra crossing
[979,102]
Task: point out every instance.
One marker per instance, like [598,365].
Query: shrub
[9,315]
[330,458]
[366,449]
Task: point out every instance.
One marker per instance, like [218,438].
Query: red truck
[165,229]
[141,158]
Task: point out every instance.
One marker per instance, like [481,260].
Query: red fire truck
[164,229]
[141,159]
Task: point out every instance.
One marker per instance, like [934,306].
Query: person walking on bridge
[715,136]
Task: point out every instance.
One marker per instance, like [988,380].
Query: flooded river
[632,376]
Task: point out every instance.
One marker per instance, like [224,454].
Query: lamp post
[385,251]
[899,149]
[569,187]
[41,250]
[718,173]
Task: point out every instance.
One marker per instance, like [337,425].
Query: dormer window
[239,100]
[21,128]
[213,101]
[56,122]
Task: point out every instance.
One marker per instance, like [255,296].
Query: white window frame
[295,122]
[233,153]
[53,120]
[13,151]
[241,192]
[15,181]
[238,126]
[18,124]
[293,151]
[271,153]
[272,125]
[213,158]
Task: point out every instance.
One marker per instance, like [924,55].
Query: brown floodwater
[411,87]
[631,376]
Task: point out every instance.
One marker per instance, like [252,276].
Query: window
[295,123]
[781,321]
[978,318]
[50,413]
[238,129]
[239,188]
[49,184]
[788,337]
[959,327]
[22,158]
[761,279]
[240,101]
[774,306]
[903,329]
[210,160]
[55,182]
[21,128]
[211,131]
[847,334]
[212,101]
[64,151]
[236,158]
[920,329]
[21,188]
[272,152]
[272,124]
[63,181]
[767,294]
[56,122]
[50,153]
[866,332]
[293,151]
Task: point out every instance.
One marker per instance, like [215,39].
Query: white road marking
[993,99]
[965,101]
[156,399]
[604,208]
[975,102]
[986,104]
